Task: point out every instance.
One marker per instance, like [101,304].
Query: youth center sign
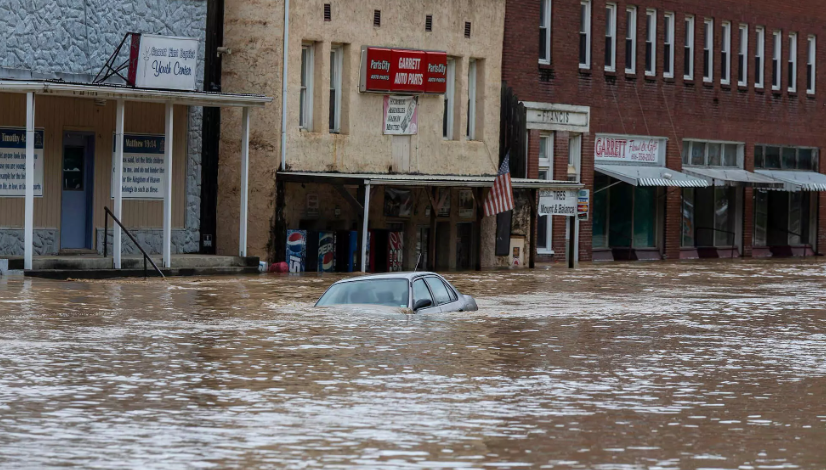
[163,62]
[13,162]
[144,163]
[403,71]
[629,149]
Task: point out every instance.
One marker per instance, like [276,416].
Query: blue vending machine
[296,250]
[347,251]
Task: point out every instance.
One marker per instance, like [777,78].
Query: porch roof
[797,180]
[108,91]
[467,181]
[650,176]
[733,177]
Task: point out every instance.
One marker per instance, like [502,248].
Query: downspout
[284,85]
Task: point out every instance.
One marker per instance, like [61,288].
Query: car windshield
[389,292]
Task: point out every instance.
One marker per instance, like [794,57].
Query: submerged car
[420,292]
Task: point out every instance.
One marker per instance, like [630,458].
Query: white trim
[120,116]
[305,114]
[167,197]
[811,60]
[471,96]
[587,32]
[777,56]
[631,16]
[793,62]
[28,209]
[760,53]
[743,51]
[611,20]
[450,96]
[708,45]
[725,79]
[245,170]
[547,164]
[689,44]
[336,69]
[545,23]
[668,43]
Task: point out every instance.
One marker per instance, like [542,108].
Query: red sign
[403,71]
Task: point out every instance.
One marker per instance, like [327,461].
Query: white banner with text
[13,162]
[143,167]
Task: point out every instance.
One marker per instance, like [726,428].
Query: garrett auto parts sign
[403,71]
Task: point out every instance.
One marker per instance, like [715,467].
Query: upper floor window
[631,40]
[688,49]
[759,56]
[585,34]
[775,157]
[544,31]
[611,37]
[709,153]
[546,172]
[668,46]
[742,57]
[651,42]
[305,116]
[778,49]
[811,67]
[471,96]
[725,55]
[708,51]
[792,63]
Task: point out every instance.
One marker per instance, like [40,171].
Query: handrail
[105,245]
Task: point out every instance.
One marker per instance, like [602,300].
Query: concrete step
[63,274]
[132,262]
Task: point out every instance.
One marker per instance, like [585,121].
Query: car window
[439,290]
[420,292]
[452,292]
[389,292]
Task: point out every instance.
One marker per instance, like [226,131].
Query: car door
[421,291]
[457,302]
[442,295]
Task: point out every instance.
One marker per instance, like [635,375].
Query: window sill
[759,90]
[742,88]
[688,82]
[610,73]
[725,86]
[668,79]
[584,70]
[544,253]
[630,76]
[546,66]
[810,96]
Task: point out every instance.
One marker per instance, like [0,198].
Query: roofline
[469,181]
[116,92]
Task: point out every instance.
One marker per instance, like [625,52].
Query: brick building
[695,124]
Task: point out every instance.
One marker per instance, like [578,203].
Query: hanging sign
[144,165]
[403,70]
[163,62]
[13,162]
[629,149]
[583,204]
[401,115]
[559,202]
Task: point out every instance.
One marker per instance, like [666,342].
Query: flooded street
[710,365]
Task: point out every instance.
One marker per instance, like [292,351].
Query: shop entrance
[464,246]
[626,219]
[77,191]
[783,222]
[712,221]
[442,246]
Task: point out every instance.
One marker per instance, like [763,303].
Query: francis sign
[559,202]
[163,62]
[403,70]
[143,167]
[13,162]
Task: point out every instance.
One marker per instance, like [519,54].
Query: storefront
[785,221]
[630,187]
[712,217]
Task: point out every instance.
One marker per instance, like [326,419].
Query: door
[464,246]
[442,246]
[76,200]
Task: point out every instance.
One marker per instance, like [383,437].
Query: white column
[364,226]
[28,231]
[117,180]
[167,198]
[245,168]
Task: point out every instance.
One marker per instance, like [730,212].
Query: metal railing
[108,213]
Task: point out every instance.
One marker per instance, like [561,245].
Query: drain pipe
[284,85]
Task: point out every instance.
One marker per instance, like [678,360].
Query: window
[610,37]
[585,34]
[688,52]
[420,292]
[650,42]
[447,119]
[471,96]
[811,71]
[778,46]
[428,23]
[328,15]
[725,55]
[439,290]
[544,31]
[544,225]
[631,40]
[668,49]
[792,62]
[336,57]
[708,51]
[722,154]
[771,157]
[759,56]
[467,29]
[305,117]
[742,57]
[377,18]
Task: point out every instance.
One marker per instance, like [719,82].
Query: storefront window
[795,217]
[723,217]
[698,153]
[600,222]
[714,157]
[805,160]
[772,158]
[758,157]
[620,202]
[730,155]
[788,162]
[688,217]
[711,153]
[645,217]
[786,158]
[761,218]
[686,151]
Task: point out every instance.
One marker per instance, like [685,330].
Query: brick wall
[673,108]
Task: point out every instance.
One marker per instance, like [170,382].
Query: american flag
[500,198]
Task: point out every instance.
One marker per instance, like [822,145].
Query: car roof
[405,275]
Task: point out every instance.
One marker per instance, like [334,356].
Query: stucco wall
[72,39]
[254,32]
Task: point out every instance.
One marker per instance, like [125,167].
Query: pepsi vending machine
[326,252]
[296,250]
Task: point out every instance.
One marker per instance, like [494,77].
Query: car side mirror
[422,303]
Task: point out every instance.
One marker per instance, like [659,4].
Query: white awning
[461,181]
[650,176]
[733,177]
[797,180]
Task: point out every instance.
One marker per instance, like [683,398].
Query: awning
[733,177]
[650,176]
[419,180]
[797,180]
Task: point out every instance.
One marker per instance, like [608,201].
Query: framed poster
[13,162]
[466,204]
[144,166]
[444,200]
[398,202]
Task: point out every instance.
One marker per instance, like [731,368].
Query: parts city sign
[403,71]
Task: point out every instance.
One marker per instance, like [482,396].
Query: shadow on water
[620,366]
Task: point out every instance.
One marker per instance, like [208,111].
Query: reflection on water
[640,366]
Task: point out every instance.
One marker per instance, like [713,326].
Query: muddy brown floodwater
[711,365]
